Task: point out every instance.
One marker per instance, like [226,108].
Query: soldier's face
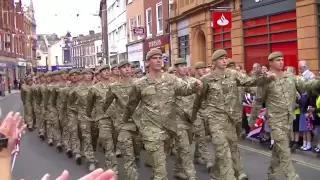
[182,69]
[38,81]
[115,71]
[126,70]
[105,73]
[264,69]
[155,63]
[57,78]
[277,63]
[221,63]
[201,71]
[80,76]
[73,77]
[88,76]
[43,79]
[64,76]
[238,68]
[48,79]
[139,75]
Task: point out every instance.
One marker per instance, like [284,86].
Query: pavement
[37,158]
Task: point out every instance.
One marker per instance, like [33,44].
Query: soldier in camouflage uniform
[184,167]
[278,96]
[138,73]
[126,133]
[155,94]
[62,113]
[221,94]
[201,153]
[27,100]
[36,99]
[88,127]
[97,99]
[72,114]
[45,80]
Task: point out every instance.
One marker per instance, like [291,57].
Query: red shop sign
[221,19]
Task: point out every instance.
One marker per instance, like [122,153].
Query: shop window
[267,34]
[222,39]
[183,43]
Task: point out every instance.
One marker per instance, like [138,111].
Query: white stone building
[117,36]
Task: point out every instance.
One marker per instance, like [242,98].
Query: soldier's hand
[198,84]
[270,74]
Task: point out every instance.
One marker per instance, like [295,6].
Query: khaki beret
[275,55]
[87,70]
[113,66]
[106,66]
[63,71]
[200,65]
[153,52]
[40,74]
[137,70]
[230,62]
[171,70]
[123,63]
[180,61]
[28,78]
[74,71]
[48,74]
[218,54]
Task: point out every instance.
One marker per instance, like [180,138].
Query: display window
[267,34]
[222,39]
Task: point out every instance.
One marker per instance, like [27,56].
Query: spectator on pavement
[10,128]
[304,70]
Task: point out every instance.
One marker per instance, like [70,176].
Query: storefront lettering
[155,43]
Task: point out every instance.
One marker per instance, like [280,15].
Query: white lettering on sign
[155,43]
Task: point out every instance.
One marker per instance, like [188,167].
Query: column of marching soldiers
[161,112]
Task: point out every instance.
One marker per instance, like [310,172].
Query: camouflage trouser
[201,145]
[28,114]
[106,131]
[37,113]
[89,135]
[126,141]
[184,161]
[41,120]
[66,138]
[224,140]
[53,125]
[155,141]
[280,157]
[74,133]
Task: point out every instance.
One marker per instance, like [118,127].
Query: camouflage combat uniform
[27,100]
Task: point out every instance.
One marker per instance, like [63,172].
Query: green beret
[123,63]
[74,71]
[153,52]
[275,55]
[87,70]
[113,66]
[219,54]
[106,66]
[230,62]
[180,61]
[200,65]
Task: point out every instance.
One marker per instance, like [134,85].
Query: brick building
[83,50]
[258,28]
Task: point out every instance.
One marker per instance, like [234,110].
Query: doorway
[201,49]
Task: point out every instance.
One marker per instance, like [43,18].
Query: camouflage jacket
[280,97]
[71,98]
[37,93]
[27,95]
[81,101]
[96,100]
[156,100]
[222,94]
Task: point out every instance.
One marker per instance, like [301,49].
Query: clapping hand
[98,174]
[198,84]
[270,74]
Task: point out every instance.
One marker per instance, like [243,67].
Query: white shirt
[307,75]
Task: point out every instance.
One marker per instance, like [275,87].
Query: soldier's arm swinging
[183,88]
[90,101]
[110,96]
[133,102]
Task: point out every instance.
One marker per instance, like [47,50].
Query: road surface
[37,159]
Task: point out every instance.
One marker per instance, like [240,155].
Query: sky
[60,16]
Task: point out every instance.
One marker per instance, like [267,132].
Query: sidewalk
[9,94]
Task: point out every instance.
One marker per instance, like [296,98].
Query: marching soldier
[27,100]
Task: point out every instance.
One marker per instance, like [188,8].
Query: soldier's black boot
[50,142]
[59,147]
[41,136]
[78,159]
[69,153]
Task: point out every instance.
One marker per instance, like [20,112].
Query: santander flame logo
[222,21]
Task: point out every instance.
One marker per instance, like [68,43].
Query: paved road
[37,158]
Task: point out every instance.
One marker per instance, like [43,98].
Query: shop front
[135,55]
[54,68]
[269,26]
[22,65]
[162,43]
[7,73]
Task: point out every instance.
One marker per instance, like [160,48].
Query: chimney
[91,32]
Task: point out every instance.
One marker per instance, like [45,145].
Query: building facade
[258,28]
[98,51]
[136,32]
[83,53]
[11,38]
[157,28]
[117,35]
